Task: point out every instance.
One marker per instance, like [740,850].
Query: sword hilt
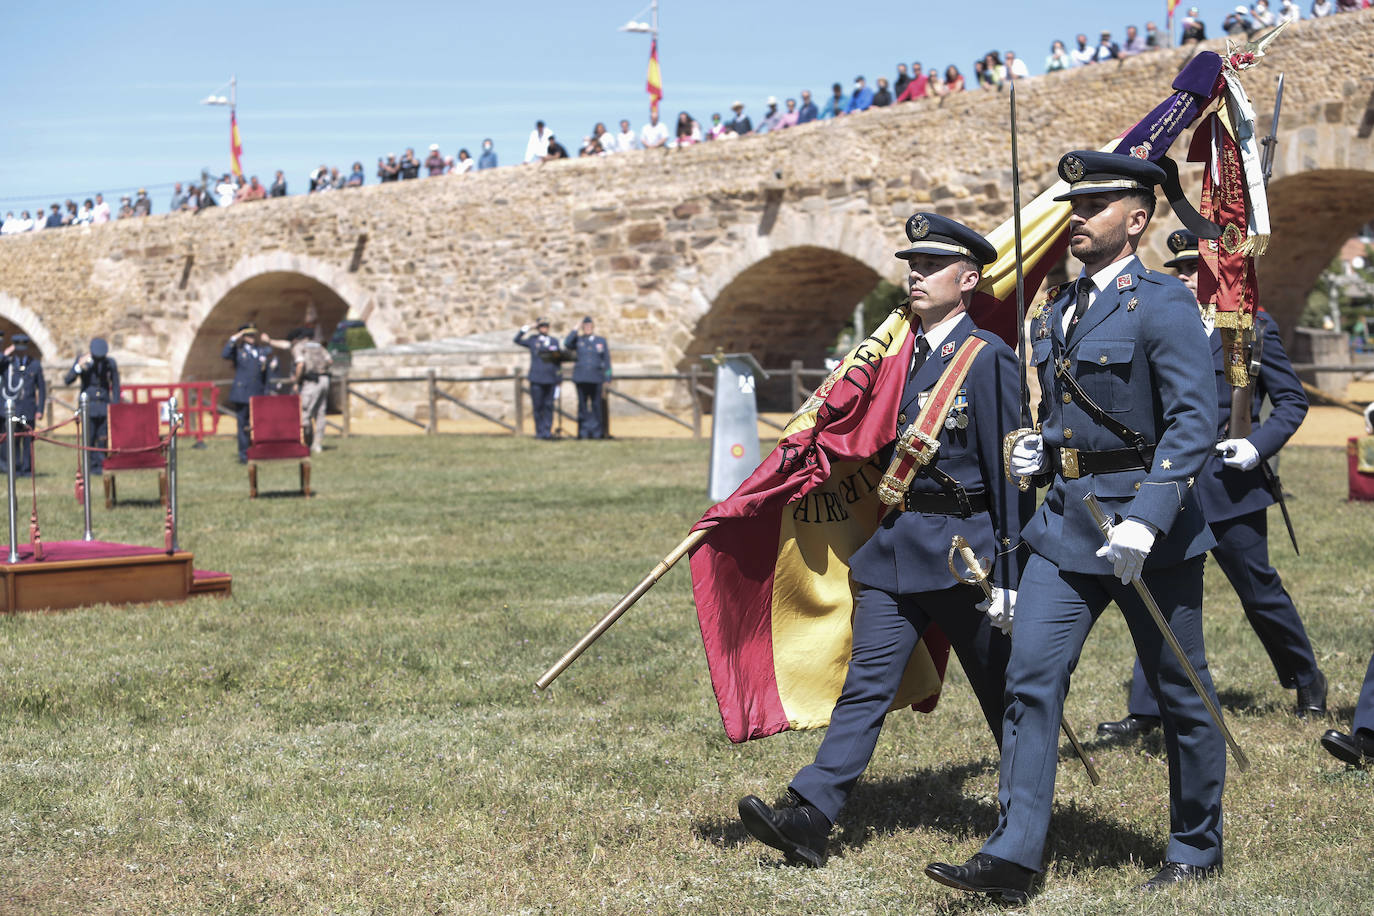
[978,569]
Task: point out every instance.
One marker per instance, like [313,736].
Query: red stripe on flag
[235,146]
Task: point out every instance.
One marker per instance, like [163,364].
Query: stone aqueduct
[763,244]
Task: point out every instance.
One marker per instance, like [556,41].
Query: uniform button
[1102,359]
[1068,433]
[901,418]
[1068,398]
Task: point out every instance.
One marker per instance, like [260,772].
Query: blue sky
[103,96]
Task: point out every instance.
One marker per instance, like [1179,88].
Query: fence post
[796,385]
[693,371]
[519,406]
[433,403]
[347,405]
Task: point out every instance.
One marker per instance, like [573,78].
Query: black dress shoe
[985,874]
[1355,749]
[796,827]
[1178,873]
[1312,698]
[1130,727]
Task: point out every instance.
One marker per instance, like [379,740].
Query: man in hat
[99,375]
[1236,493]
[23,385]
[545,355]
[434,162]
[591,370]
[741,124]
[1122,417]
[251,354]
[902,570]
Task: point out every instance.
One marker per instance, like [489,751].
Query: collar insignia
[1123,281]
[947,349]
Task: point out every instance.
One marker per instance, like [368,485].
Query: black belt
[1074,463]
[946,504]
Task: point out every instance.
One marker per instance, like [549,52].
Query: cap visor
[1183,259]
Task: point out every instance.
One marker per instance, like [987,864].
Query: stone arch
[781,294]
[273,291]
[16,317]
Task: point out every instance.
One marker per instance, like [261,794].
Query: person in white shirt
[101,211]
[225,191]
[538,145]
[626,139]
[1289,12]
[655,133]
[1016,67]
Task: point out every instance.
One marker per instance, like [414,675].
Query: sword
[1243,762]
[979,576]
[1022,356]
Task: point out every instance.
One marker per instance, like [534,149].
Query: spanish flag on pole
[654,84]
[235,145]
[771,577]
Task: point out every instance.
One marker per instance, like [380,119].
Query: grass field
[356,731]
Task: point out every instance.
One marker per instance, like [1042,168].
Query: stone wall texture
[762,244]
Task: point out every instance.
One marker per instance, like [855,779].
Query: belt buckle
[1068,461]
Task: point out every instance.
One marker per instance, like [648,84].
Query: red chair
[134,427]
[274,428]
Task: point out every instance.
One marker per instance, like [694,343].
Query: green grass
[356,730]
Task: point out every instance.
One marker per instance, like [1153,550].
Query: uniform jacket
[541,371]
[909,551]
[250,370]
[100,383]
[1230,492]
[593,357]
[21,378]
[1136,353]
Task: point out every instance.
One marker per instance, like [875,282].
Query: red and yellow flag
[235,145]
[1173,5]
[771,578]
[654,84]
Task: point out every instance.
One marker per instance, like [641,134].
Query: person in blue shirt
[591,370]
[836,105]
[99,375]
[545,355]
[862,97]
[21,378]
[252,359]
[807,112]
[1122,417]
[488,158]
[1236,494]
[901,572]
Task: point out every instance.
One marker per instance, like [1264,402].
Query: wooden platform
[82,573]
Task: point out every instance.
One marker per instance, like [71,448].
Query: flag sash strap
[916,447]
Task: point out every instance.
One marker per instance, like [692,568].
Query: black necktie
[1085,288]
[919,358]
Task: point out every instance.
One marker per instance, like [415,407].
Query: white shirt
[936,335]
[653,134]
[1100,280]
[101,213]
[463,165]
[538,145]
[1018,68]
[1083,55]
[226,191]
[626,141]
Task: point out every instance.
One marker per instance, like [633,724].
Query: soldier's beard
[1097,250]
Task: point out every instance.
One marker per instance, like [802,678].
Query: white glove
[1028,455]
[1238,453]
[1000,608]
[524,329]
[1127,546]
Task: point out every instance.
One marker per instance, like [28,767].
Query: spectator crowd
[992,71]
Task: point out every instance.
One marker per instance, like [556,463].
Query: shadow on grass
[287,494]
[126,503]
[933,798]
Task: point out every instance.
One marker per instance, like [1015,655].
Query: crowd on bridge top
[992,72]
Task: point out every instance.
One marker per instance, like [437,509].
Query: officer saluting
[1122,417]
[902,570]
[590,372]
[252,361]
[99,375]
[23,383]
[545,355]
[1235,493]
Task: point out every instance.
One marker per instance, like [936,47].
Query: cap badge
[1177,242]
[918,227]
[1073,168]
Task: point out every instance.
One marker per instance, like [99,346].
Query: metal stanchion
[83,412]
[9,476]
[174,420]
